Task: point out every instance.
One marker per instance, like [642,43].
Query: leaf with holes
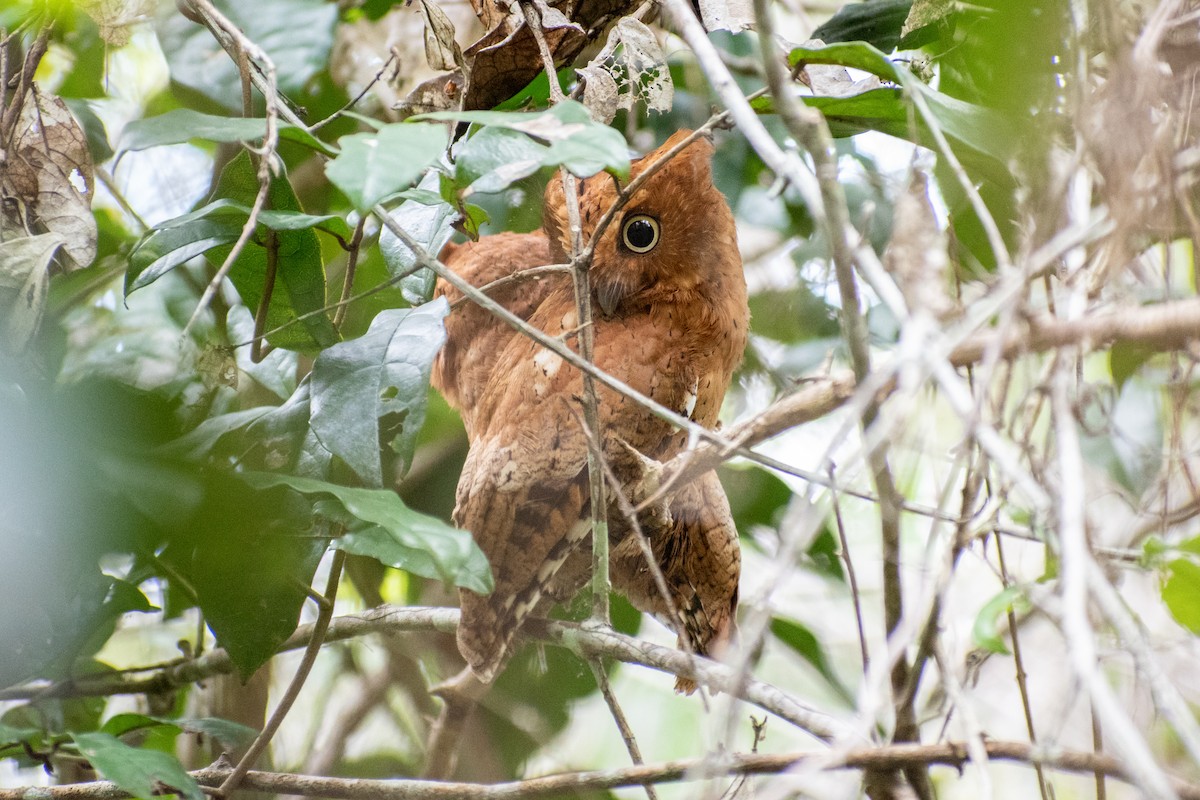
[369,393]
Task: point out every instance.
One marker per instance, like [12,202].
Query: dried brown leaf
[504,60]
[441,50]
[49,172]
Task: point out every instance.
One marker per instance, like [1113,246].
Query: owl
[671,321]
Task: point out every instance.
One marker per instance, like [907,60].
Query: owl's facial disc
[640,233]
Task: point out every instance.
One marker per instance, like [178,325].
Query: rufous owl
[671,321]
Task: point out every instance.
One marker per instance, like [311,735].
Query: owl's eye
[640,233]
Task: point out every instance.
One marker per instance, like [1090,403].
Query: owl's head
[675,232]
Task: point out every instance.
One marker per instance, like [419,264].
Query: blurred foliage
[155,469]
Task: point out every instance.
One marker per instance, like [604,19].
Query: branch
[1173,325]
[586,641]
[886,757]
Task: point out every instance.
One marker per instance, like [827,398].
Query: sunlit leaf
[1181,593]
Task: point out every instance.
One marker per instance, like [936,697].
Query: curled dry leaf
[49,174]
[441,50]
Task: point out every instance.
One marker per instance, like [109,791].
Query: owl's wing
[697,551]
[523,492]
[474,336]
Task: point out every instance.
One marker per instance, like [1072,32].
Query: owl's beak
[609,294]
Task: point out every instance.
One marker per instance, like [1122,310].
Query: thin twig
[312,649]
[885,757]
[614,707]
[241,49]
[583,309]
[1019,666]
[351,268]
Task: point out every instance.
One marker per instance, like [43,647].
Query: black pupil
[640,234]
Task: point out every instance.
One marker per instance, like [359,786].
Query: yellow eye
[640,233]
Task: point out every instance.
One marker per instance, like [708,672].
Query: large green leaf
[142,773]
[249,554]
[369,393]
[495,157]
[296,34]
[383,527]
[172,244]
[300,281]
[182,238]
[230,734]
[373,166]
[571,137]
[183,125]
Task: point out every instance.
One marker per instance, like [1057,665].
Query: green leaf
[184,125]
[1181,593]
[430,225]
[384,528]
[232,735]
[984,129]
[229,734]
[373,166]
[805,644]
[877,22]
[1125,358]
[142,773]
[249,555]
[300,280]
[296,34]
[10,734]
[494,158]
[572,138]
[370,393]
[985,631]
[165,248]
[1126,441]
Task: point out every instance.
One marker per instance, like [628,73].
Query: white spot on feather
[689,400]
[549,362]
